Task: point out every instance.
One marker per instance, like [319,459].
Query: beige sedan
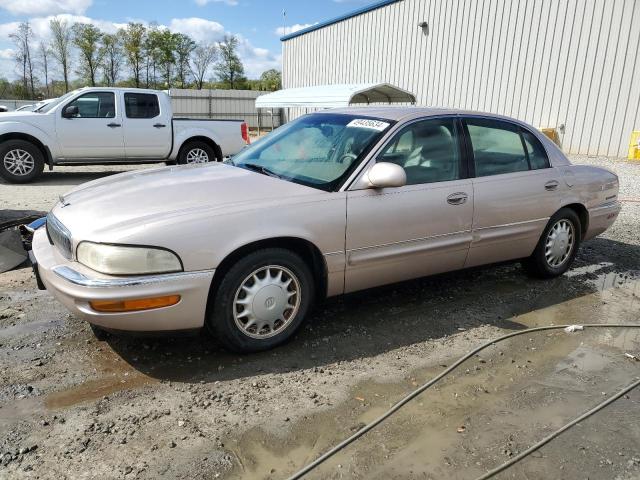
[330,203]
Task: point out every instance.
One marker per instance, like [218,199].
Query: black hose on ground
[324,457]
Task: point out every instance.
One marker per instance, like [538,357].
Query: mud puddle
[488,410]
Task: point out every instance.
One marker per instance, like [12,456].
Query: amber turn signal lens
[113,306]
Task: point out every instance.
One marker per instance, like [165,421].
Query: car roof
[397,113]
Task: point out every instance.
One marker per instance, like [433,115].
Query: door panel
[511,209]
[95,132]
[401,233]
[148,132]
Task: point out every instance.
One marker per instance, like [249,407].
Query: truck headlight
[127,260]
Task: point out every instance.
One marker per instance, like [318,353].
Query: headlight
[125,260]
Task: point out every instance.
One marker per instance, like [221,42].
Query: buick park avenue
[333,202]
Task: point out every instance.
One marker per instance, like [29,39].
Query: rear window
[141,105]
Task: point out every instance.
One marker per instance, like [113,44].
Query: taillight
[244,130]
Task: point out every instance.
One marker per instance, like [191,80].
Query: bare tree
[184,45]
[88,38]
[44,53]
[112,57]
[61,47]
[202,58]
[22,39]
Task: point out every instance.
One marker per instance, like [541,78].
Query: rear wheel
[20,161]
[196,152]
[261,301]
[557,246]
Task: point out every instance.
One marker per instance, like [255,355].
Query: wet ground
[72,406]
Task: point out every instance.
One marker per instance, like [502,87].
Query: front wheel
[20,161]
[261,301]
[557,246]
[196,152]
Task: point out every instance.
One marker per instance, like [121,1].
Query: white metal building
[548,62]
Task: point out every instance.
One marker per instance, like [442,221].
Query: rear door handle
[159,125]
[551,185]
[113,125]
[457,198]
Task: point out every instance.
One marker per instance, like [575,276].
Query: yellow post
[634,145]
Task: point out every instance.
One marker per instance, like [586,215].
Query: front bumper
[75,286]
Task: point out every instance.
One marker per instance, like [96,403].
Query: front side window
[141,105]
[497,147]
[427,150]
[317,150]
[95,105]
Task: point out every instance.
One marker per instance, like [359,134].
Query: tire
[20,161]
[549,261]
[196,152]
[245,329]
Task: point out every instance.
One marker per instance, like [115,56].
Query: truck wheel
[196,152]
[20,161]
[557,246]
[261,301]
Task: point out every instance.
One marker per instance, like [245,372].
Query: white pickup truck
[93,126]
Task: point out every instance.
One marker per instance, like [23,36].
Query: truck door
[147,132]
[95,131]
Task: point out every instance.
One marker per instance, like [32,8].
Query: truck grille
[59,235]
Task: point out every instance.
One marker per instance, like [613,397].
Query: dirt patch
[129,407]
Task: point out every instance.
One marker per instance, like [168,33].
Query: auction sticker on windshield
[368,123]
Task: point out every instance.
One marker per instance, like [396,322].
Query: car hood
[136,200]
[19,116]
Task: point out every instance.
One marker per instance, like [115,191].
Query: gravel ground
[73,406]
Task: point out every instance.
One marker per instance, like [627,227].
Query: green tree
[87,38]
[184,45]
[166,48]
[271,80]
[61,47]
[112,57]
[133,39]
[229,68]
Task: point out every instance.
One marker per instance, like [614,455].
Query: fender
[8,128]
[179,138]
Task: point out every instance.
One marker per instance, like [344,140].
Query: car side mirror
[385,175]
[70,111]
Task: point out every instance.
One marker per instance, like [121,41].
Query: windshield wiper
[260,169]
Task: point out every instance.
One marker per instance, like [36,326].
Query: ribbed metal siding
[222,104]
[548,62]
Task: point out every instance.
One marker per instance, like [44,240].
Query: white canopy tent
[333,96]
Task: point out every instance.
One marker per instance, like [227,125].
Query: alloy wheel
[19,162]
[197,155]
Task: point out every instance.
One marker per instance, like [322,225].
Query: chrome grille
[59,235]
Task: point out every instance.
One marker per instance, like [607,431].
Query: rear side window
[497,147]
[141,105]
[537,155]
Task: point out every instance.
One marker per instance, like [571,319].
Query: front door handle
[457,198]
[113,125]
[551,185]
[159,125]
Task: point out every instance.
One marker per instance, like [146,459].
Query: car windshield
[318,150]
[56,101]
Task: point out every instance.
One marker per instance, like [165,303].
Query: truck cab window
[141,105]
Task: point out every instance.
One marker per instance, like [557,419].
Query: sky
[259,24]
